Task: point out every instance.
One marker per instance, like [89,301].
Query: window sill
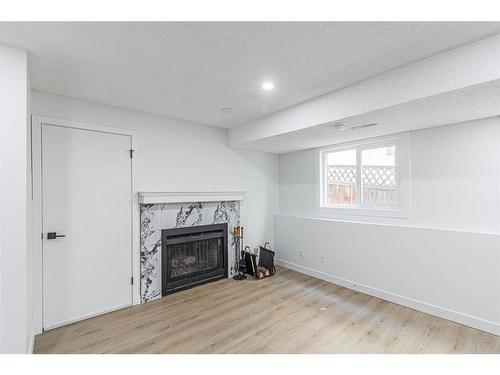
[400,213]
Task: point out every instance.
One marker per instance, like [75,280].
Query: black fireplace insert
[193,256]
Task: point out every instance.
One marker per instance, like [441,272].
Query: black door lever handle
[54,235]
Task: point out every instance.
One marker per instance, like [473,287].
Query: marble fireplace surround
[176,210]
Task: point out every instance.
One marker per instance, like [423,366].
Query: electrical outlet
[301,254]
[323,259]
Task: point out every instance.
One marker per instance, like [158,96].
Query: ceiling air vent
[359,127]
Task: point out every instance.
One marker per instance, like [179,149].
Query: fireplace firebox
[193,256]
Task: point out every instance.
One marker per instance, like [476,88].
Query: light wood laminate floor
[288,313]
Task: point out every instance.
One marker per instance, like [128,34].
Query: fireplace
[193,255]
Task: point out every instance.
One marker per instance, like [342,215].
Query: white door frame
[36,143]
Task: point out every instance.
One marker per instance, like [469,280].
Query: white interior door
[86,193]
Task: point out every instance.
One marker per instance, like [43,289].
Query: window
[368,177]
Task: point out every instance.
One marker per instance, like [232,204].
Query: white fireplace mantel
[198,196]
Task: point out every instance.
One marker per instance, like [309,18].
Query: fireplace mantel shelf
[198,196]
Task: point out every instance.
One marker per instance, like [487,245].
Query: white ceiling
[192,70]
[470,103]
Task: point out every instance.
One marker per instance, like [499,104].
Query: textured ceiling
[192,70]
[470,103]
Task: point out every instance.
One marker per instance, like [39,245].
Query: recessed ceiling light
[227,109]
[267,86]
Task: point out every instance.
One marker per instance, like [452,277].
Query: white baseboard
[442,312]
[87,316]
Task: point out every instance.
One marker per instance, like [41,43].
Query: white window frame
[399,210]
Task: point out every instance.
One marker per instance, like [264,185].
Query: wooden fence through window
[378,183]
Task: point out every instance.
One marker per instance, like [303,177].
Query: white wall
[15,256]
[30,303]
[175,155]
[444,259]
[454,172]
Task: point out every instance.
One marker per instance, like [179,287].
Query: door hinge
[132,281]
[131,153]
